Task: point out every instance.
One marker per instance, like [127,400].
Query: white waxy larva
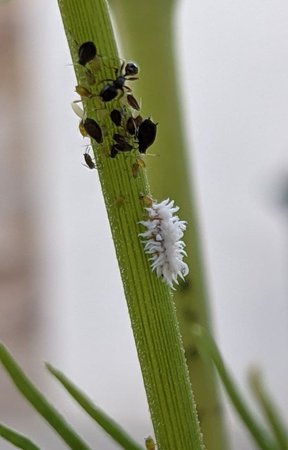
[77,110]
[162,241]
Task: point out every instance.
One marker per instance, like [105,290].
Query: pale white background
[233,70]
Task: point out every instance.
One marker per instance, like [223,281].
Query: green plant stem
[209,348]
[272,417]
[147,31]
[150,305]
[17,439]
[39,402]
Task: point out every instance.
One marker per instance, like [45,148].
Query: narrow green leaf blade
[269,411]
[111,427]
[17,439]
[39,402]
[208,348]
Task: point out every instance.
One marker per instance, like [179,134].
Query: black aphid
[138,121]
[110,90]
[146,134]
[131,100]
[113,151]
[86,52]
[82,129]
[93,129]
[121,144]
[89,161]
[116,117]
[131,126]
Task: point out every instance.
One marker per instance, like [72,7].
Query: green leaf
[208,347]
[17,439]
[268,409]
[39,402]
[111,427]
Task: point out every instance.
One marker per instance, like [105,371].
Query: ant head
[131,69]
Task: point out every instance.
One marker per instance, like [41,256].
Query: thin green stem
[272,417]
[111,427]
[17,439]
[150,305]
[39,402]
[208,347]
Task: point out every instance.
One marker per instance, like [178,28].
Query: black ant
[110,90]
[131,69]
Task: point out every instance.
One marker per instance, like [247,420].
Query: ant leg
[122,67]
[107,79]
[122,93]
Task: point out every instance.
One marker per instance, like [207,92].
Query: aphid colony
[132,132]
[163,229]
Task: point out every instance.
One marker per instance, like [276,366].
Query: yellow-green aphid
[149,443]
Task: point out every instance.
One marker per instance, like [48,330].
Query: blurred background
[61,298]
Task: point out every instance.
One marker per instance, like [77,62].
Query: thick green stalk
[150,305]
[147,30]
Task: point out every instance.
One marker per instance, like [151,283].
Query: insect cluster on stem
[132,133]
